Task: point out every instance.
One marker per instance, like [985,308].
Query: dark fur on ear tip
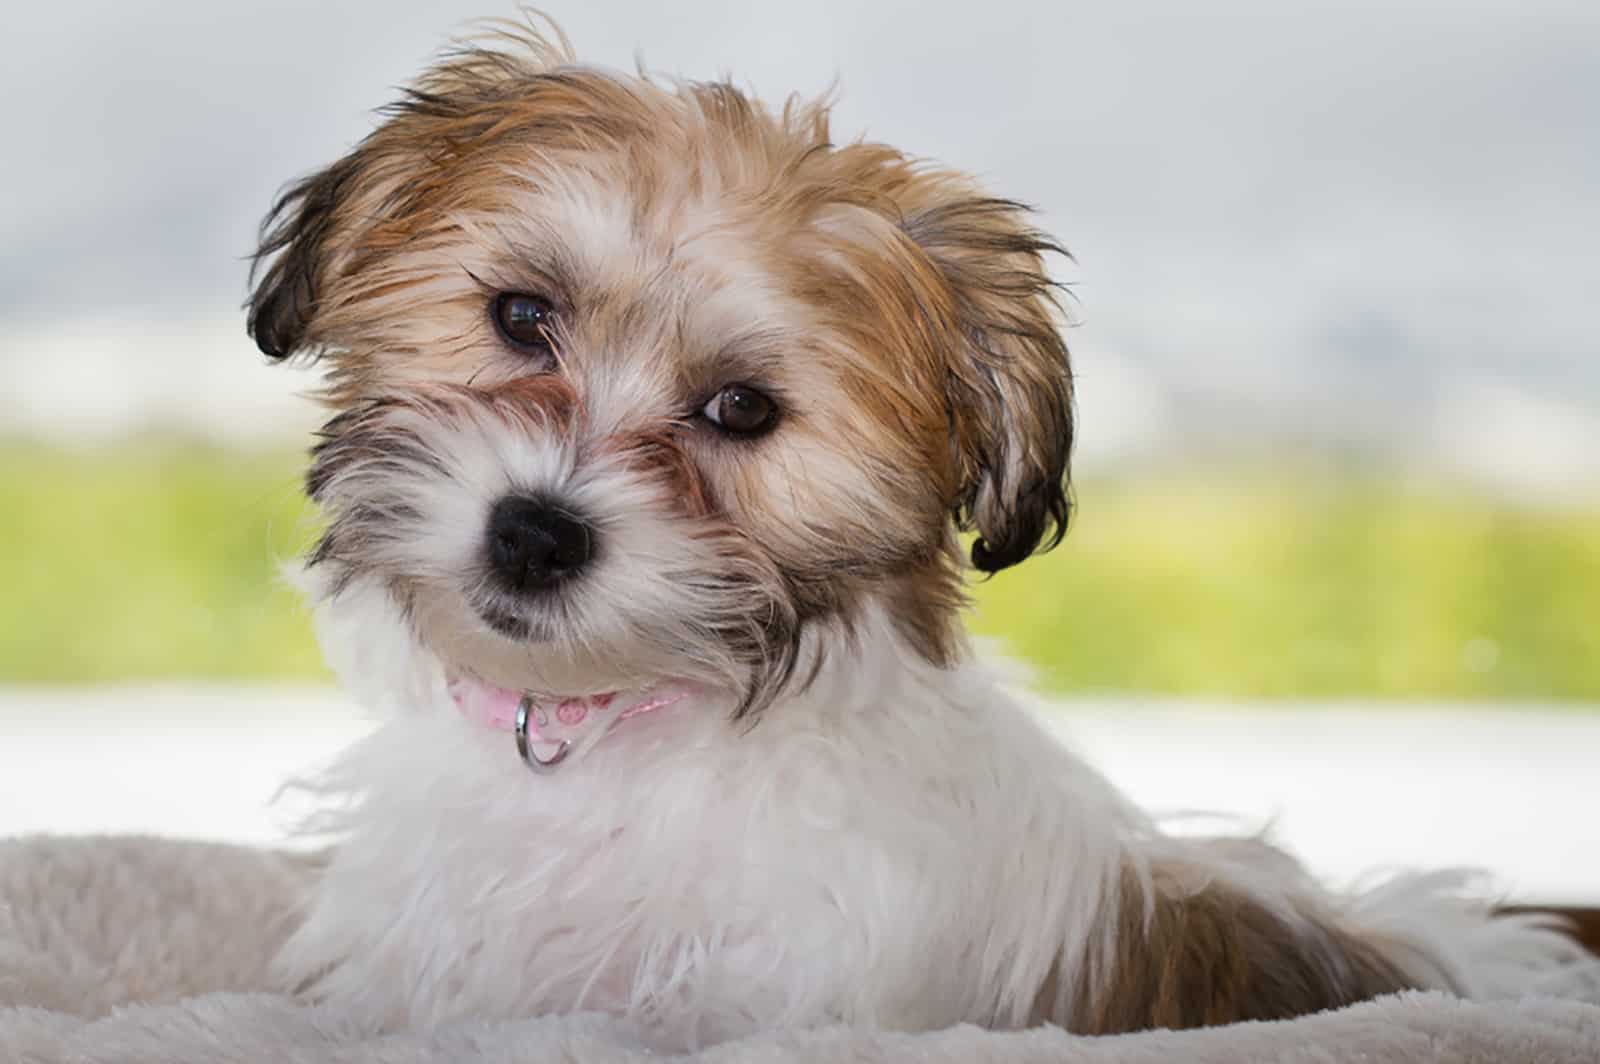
[288,260]
[1036,525]
[274,324]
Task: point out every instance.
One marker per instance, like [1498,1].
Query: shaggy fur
[851,821]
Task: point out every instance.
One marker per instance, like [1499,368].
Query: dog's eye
[741,409]
[524,321]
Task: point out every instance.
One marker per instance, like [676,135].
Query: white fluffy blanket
[132,949]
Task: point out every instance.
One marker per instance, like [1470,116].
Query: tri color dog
[659,422]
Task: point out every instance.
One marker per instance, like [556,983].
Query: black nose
[533,545]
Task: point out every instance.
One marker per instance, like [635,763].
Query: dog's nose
[533,545]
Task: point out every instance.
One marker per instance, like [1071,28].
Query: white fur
[899,846]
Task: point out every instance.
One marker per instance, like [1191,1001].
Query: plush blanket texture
[139,949]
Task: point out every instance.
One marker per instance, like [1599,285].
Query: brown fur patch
[545,400]
[1209,954]
[661,451]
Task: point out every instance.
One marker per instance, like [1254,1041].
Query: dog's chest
[698,887]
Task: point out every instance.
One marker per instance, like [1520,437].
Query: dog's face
[635,381]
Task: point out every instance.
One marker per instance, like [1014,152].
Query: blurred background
[1338,356]
[1335,330]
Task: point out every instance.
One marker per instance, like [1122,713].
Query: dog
[664,434]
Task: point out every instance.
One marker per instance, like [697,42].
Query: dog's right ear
[289,268]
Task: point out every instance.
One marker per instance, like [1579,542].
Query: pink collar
[548,730]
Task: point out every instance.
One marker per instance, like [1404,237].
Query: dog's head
[636,380]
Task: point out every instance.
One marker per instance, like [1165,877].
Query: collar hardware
[530,757]
[550,731]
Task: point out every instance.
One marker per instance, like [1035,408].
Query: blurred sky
[1361,227]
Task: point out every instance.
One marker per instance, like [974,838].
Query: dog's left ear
[1010,382]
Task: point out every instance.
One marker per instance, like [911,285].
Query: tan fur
[1200,954]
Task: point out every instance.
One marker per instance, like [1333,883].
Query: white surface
[1359,788]
[1352,788]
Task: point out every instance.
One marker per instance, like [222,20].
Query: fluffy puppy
[657,417]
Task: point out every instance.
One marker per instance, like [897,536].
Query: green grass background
[160,560]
